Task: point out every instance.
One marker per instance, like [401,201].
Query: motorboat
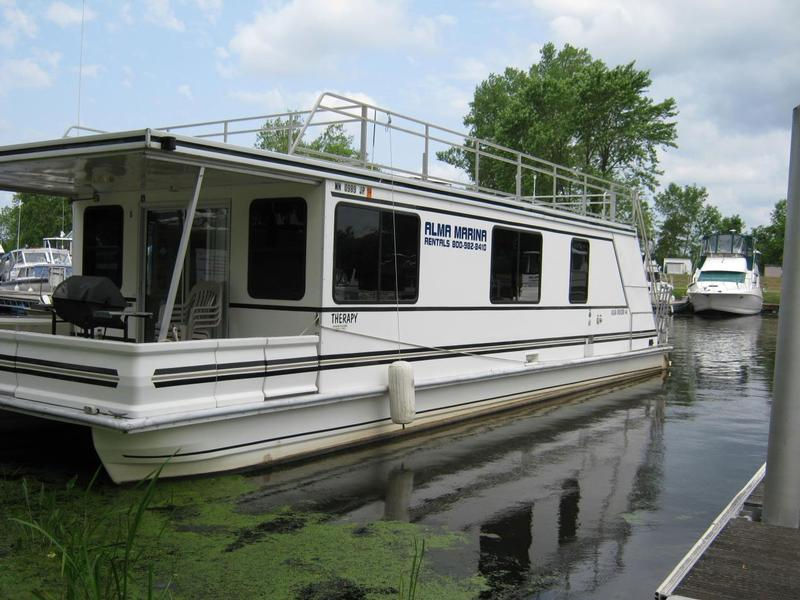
[37,270]
[727,278]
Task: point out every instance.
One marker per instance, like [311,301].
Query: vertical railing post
[225,132]
[555,175]
[782,479]
[584,199]
[425,153]
[612,209]
[519,175]
[477,165]
[363,150]
[289,134]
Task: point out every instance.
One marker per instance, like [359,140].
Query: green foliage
[769,238]
[409,592]
[684,215]
[733,223]
[274,135]
[42,216]
[92,568]
[572,110]
[685,219]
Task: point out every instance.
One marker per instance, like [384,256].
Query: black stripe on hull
[406,308]
[376,358]
[26,365]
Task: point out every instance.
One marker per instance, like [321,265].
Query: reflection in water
[533,490]
[574,500]
[399,486]
[568,509]
[505,543]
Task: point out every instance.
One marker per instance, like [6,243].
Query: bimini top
[392,149]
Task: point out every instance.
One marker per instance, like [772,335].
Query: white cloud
[159,12]
[51,59]
[64,15]
[22,73]
[91,70]
[125,14]
[275,101]
[210,8]
[127,77]
[186,91]
[304,35]
[15,23]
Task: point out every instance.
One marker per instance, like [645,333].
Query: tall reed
[93,567]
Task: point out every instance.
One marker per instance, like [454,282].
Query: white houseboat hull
[274,437]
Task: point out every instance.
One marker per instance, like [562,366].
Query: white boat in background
[37,270]
[239,307]
[727,279]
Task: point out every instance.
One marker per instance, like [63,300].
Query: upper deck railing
[494,169]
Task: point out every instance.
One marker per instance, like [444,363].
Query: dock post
[782,480]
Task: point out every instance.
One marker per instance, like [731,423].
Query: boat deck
[747,559]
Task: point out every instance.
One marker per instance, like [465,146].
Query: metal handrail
[569,189]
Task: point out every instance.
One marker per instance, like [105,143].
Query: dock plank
[747,560]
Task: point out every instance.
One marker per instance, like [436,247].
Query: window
[516,266]
[722,276]
[276,258]
[579,272]
[369,244]
[102,242]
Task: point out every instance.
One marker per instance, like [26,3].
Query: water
[596,498]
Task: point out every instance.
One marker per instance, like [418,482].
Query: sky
[733,67]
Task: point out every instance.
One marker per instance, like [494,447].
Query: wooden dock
[739,557]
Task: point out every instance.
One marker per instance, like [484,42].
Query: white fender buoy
[402,405]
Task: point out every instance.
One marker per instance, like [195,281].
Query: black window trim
[541,265]
[305,248]
[588,266]
[379,210]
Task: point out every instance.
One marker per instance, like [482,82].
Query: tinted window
[369,244]
[277,249]
[516,266]
[102,242]
[579,272]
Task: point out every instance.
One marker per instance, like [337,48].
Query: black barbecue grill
[91,302]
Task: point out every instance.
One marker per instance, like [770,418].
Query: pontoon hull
[276,437]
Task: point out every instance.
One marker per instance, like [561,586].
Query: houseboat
[727,279]
[234,306]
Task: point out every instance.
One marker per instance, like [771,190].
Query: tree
[274,135]
[685,218]
[572,110]
[769,238]
[42,216]
[733,223]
